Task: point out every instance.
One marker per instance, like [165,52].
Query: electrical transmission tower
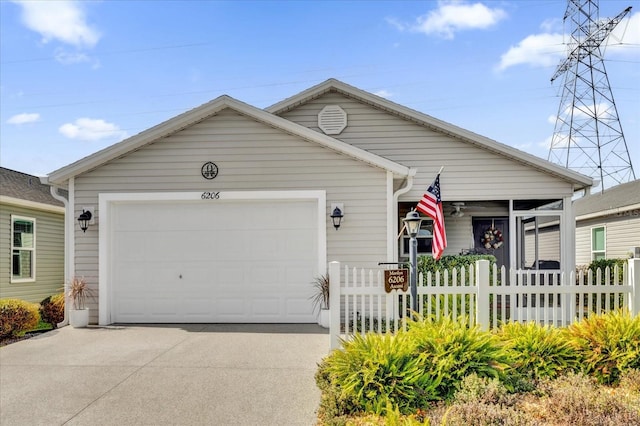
[588,136]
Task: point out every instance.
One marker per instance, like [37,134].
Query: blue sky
[76,77]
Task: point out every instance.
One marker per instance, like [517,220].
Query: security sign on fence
[396,279]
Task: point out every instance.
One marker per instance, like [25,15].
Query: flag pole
[441,169]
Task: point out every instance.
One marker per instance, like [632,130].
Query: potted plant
[320,299]
[78,293]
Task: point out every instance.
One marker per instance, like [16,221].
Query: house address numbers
[396,279]
[210,195]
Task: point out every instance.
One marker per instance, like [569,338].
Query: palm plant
[320,299]
[78,292]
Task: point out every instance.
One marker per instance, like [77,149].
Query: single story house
[608,224]
[223,213]
[31,238]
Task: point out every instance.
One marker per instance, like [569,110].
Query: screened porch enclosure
[523,235]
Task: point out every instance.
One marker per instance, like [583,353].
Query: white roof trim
[207,110]
[610,212]
[31,204]
[578,179]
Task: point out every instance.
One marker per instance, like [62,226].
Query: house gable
[423,142]
[204,112]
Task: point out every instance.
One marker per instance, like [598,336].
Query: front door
[491,236]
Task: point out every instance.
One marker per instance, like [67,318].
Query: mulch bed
[4,341]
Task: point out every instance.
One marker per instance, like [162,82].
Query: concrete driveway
[194,374]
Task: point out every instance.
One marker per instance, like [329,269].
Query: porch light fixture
[84,220]
[412,221]
[412,224]
[336,217]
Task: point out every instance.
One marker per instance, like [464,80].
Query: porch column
[568,253]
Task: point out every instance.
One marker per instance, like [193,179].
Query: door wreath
[492,238]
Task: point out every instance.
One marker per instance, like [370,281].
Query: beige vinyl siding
[253,157]
[459,234]
[471,172]
[548,245]
[49,254]
[622,233]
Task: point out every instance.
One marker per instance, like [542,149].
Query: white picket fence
[359,303]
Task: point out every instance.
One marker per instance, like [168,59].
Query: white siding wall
[622,232]
[250,156]
[470,173]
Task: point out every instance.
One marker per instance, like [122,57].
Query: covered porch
[523,234]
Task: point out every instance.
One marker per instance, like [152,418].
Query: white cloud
[400,26]
[542,50]
[549,48]
[452,16]
[625,37]
[62,20]
[24,118]
[383,93]
[90,129]
[546,143]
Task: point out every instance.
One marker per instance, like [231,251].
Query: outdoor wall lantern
[412,223]
[336,216]
[84,220]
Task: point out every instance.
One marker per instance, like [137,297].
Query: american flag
[431,205]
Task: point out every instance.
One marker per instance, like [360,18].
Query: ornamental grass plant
[445,372]
[607,344]
[538,351]
[451,350]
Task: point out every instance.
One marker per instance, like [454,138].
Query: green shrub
[450,350]
[374,370]
[607,344]
[52,309]
[428,264]
[17,317]
[602,264]
[434,304]
[537,351]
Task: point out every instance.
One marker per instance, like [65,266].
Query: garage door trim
[108,200]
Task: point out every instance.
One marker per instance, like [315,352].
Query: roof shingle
[25,187]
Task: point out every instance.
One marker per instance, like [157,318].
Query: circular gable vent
[332,120]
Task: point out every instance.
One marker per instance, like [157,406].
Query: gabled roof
[208,110]
[23,189]
[619,198]
[332,85]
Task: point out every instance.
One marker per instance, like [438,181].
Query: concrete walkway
[194,374]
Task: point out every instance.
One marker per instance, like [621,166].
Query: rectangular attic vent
[332,120]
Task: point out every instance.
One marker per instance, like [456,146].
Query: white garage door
[217,261]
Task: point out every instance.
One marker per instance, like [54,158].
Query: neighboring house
[222,214]
[31,238]
[608,223]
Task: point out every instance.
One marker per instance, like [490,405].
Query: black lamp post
[412,225]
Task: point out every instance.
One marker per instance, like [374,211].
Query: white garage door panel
[214,262]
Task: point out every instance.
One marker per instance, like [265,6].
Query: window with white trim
[23,249]
[598,243]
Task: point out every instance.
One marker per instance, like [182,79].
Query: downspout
[67,246]
[392,246]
